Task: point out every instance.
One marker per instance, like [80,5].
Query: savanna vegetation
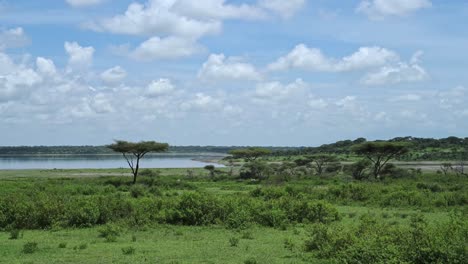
[310,208]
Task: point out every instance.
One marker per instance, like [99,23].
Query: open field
[172,216]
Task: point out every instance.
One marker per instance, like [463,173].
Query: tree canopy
[134,151]
[249,154]
[380,153]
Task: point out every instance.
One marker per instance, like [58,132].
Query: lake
[102,161]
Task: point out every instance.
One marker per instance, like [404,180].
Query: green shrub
[138,190]
[30,248]
[233,241]
[128,250]
[110,232]
[83,246]
[15,234]
[82,212]
[62,245]
[250,261]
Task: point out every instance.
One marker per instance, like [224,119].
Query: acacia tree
[249,154]
[380,153]
[133,152]
[321,161]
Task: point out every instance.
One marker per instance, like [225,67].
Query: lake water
[100,162]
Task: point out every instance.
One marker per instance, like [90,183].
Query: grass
[162,243]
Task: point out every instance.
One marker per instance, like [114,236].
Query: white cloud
[160,87]
[165,48]
[83,3]
[16,81]
[79,57]
[100,104]
[45,66]
[317,103]
[156,18]
[285,9]
[271,91]
[218,67]
[379,9]
[202,102]
[313,59]
[216,9]
[13,38]
[407,97]
[400,73]
[113,75]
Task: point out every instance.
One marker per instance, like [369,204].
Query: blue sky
[220,72]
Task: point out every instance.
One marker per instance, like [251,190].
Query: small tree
[211,169]
[358,169]
[446,167]
[249,154]
[321,161]
[134,151]
[380,153]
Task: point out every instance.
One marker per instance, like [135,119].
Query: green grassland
[186,216]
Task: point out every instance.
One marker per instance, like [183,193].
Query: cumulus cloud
[272,91]
[399,73]
[312,59]
[174,27]
[317,103]
[83,3]
[285,9]
[16,81]
[216,9]
[218,67]
[379,9]
[13,38]
[160,87]
[165,48]
[79,57]
[46,66]
[113,75]
[155,18]
[202,102]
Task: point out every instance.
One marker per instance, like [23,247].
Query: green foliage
[258,170]
[233,241]
[128,250]
[137,151]
[137,191]
[251,261]
[15,234]
[249,154]
[30,247]
[358,170]
[379,153]
[110,232]
[376,242]
[62,245]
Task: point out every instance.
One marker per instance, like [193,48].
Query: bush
[62,245]
[128,250]
[82,212]
[15,234]
[30,248]
[233,241]
[250,261]
[358,170]
[110,232]
[138,190]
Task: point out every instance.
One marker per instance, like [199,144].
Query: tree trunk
[135,173]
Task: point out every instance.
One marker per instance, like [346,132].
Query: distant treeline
[450,148]
[89,150]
